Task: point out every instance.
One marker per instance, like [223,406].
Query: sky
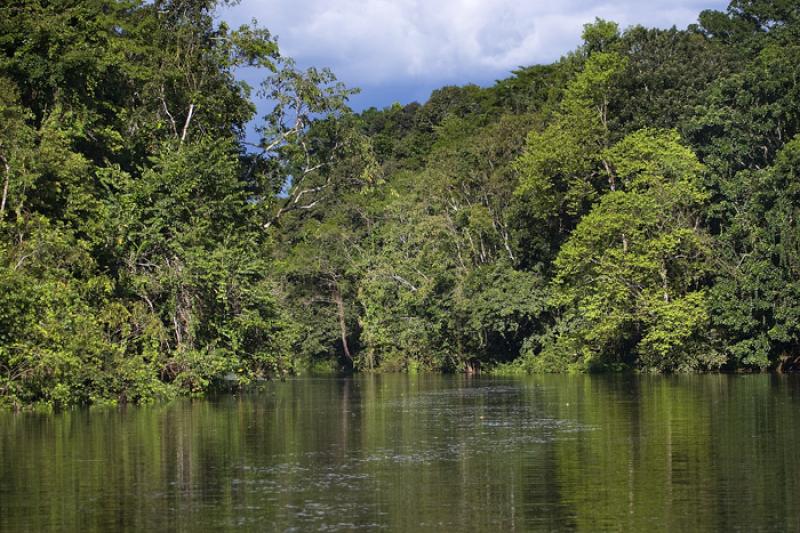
[400,50]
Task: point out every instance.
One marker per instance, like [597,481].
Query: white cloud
[380,42]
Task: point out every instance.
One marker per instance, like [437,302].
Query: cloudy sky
[400,50]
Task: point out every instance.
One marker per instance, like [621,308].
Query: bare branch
[186,124]
[404,282]
[5,185]
[169,115]
[309,206]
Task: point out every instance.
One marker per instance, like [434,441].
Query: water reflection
[419,453]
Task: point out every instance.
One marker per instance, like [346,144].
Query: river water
[419,453]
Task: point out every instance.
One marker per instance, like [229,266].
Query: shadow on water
[422,453]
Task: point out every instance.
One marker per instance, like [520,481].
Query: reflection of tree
[649,461]
[632,453]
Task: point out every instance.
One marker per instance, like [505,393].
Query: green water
[428,453]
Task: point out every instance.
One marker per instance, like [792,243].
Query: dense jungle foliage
[634,205]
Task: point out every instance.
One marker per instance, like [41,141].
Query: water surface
[427,453]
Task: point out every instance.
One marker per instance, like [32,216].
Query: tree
[562,171]
[629,280]
[754,298]
[132,220]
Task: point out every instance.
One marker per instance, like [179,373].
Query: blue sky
[400,50]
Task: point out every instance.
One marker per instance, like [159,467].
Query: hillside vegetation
[634,205]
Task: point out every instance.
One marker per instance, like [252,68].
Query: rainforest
[634,206]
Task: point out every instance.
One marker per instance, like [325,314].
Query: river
[419,453]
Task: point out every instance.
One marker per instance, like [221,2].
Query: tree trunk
[612,178]
[5,186]
[337,297]
[186,124]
